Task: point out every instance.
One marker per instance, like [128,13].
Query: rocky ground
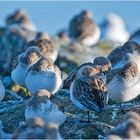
[101,123]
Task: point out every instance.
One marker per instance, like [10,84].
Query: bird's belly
[92,39]
[37,81]
[55,115]
[54,55]
[18,75]
[75,101]
[122,92]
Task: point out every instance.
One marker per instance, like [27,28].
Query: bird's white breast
[92,39]
[123,91]
[42,80]
[18,74]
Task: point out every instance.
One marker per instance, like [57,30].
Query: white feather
[48,112]
[18,74]
[92,39]
[43,80]
[121,91]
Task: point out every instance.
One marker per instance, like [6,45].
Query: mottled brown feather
[90,92]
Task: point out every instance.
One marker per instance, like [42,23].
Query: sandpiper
[123,84]
[129,128]
[130,51]
[36,128]
[72,75]
[84,29]
[88,92]
[20,19]
[100,66]
[43,75]
[46,45]
[132,115]
[113,29]
[41,106]
[23,62]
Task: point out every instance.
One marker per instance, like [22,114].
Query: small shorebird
[84,29]
[99,66]
[46,46]
[129,128]
[88,92]
[132,115]
[19,20]
[36,128]
[130,51]
[41,106]
[113,29]
[72,75]
[43,75]
[23,62]
[123,84]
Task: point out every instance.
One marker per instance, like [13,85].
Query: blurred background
[52,16]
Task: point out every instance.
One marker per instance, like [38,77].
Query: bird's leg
[88,116]
[122,110]
[86,121]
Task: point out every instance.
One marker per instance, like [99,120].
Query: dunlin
[23,62]
[46,46]
[113,29]
[129,128]
[36,128]
[84,29]
[130,51]
[124,83]
[88,92]
[41,106]
[43,75]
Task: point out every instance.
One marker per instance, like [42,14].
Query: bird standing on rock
[41,106]
[43,75]
[88,92]
[124,83]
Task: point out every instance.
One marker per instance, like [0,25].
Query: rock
[75,54]
[101,124]
[9,95]
[13,39]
